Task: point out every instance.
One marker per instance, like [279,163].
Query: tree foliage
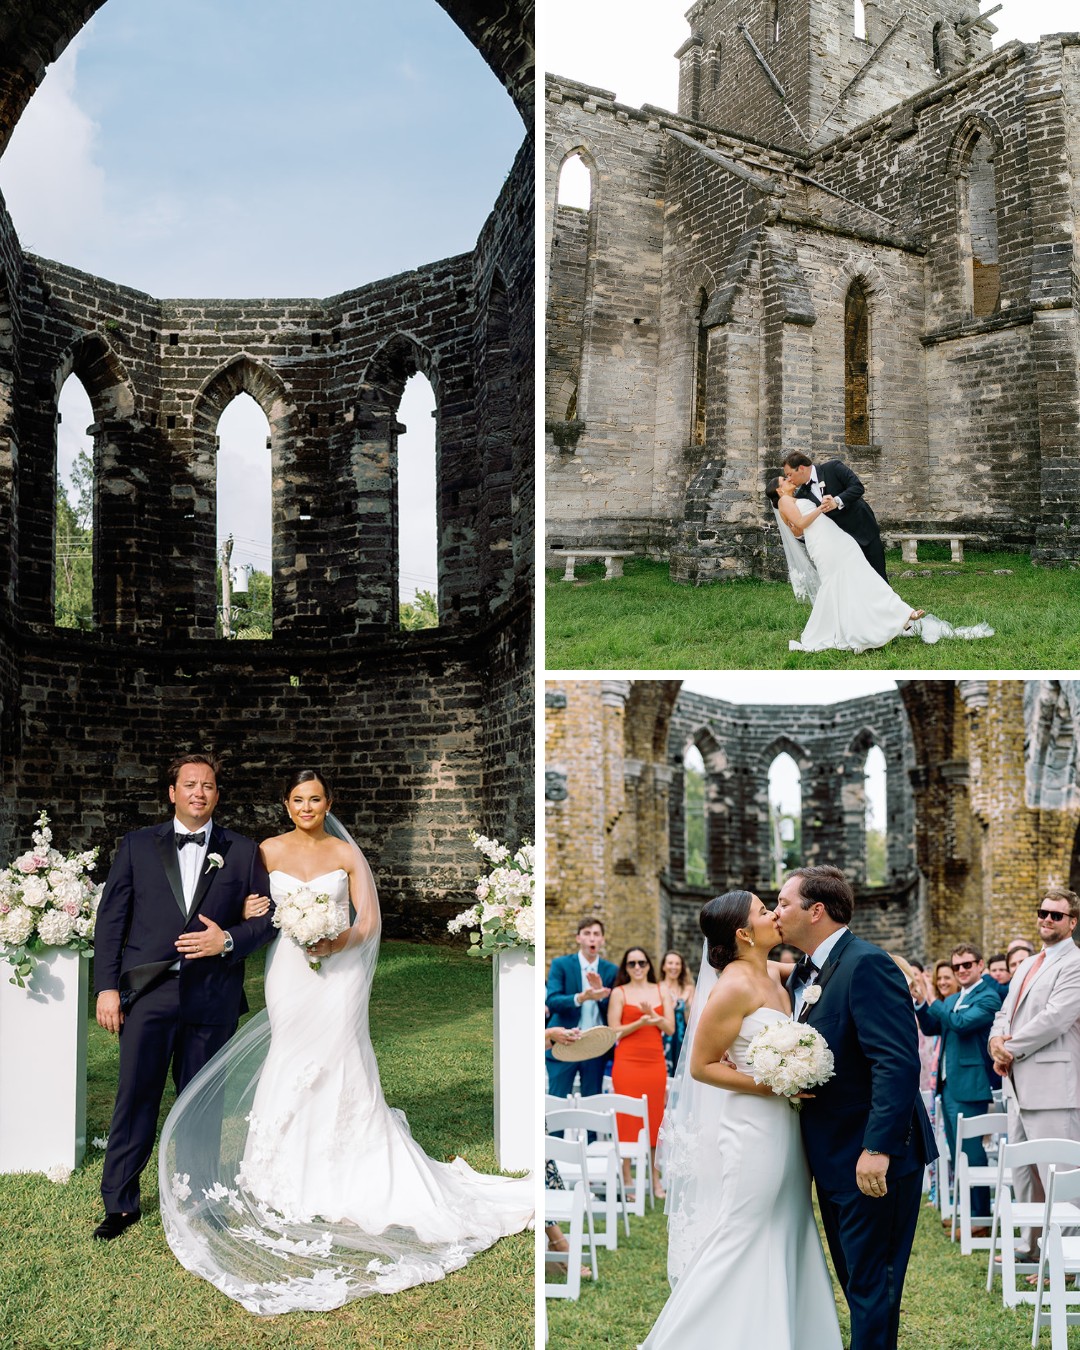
[73,589]
[422,611]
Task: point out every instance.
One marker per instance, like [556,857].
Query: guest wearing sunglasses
[1035,1040]
[642,1013]
[963,1020]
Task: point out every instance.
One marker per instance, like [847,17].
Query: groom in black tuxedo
[866,1134]
[169,948]
[852,512]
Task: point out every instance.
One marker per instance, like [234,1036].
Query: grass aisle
[431,1025]
[945,1307]
[644,621]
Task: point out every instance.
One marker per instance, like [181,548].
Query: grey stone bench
[612,560]
[909,544]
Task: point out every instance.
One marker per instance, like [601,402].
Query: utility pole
[226,588]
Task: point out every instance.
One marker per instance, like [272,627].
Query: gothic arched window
[695,825]
[73,549]
[701,371]
[875,817]
[245,520]
[785,818]
[857,366]
[978,228]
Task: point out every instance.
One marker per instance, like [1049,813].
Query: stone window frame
[853,802]
[975,126]
[576,397]
[784,744]
[858,397]
[699,369]
[879,300]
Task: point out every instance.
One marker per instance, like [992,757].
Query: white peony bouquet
[790,1057]
[46,900]
[504,912]
[307,917]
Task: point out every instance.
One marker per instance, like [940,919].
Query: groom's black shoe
[114,1224]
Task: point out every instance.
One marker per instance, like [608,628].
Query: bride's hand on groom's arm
[255,906]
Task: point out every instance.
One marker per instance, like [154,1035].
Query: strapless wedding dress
[752,1268]
[308,1189]
[855,609]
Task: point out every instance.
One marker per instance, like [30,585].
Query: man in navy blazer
[866,1135]
[578,988]
[169,948]
[963,1021]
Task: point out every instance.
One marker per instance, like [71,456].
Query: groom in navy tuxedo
[852,511]
[169,948]
[866,1134]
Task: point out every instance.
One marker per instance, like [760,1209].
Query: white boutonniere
[811,996]
[214,861]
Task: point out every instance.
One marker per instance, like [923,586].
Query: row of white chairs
[589,1156]
[1053,1222]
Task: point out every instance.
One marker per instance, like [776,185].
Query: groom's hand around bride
[210,942]
[870,1174]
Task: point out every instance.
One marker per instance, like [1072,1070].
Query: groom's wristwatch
[229,944]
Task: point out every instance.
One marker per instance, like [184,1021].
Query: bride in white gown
[854,608]
[738,1183]
[285,1178]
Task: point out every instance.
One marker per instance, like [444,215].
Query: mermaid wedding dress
[739,1216]
[854,609]
[285,1178]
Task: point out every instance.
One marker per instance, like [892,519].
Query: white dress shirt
[590,1008]
[820,956]
[192,860]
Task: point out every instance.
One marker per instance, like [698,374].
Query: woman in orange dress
[642,1013]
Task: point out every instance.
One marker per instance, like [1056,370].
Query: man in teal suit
[963,1022]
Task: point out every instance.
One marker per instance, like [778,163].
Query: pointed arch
[102,373]
[857,400]
[972,161]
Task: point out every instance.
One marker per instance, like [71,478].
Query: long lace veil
[688,1133]
[236,1166]
[802,573]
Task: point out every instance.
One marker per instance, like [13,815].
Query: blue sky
[237,148]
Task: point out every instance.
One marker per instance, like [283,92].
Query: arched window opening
[785,818]
[417,498]
[876,818]
[857,366]
[938,54]
[575,184]
[701,370]
[860,19]
[982,224]
[245,551]
[717,66]
[73,575]
[696,868]
[571,405]
[776,21]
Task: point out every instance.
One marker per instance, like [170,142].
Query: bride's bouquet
[307,917]
[46,900]
[790,1057]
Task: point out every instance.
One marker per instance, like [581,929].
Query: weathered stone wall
[775,229]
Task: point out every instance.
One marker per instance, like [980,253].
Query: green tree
[422,611]
[73,582]
[694,815]
[253,613]
[877,857]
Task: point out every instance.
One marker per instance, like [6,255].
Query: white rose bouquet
[503,914]
[46,900]
[307,917]
[790,1057]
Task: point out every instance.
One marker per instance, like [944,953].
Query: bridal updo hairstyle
[720,920]
[299,776]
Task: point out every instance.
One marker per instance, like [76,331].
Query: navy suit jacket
[142,913]
[964,1035]
[865,1013]
[564,981]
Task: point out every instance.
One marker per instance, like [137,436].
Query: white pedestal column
[515,1059]
[43,1065]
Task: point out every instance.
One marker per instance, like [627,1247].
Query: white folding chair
[1010,1215]
[944,1161]
[572,1215]
[1059,1256]
[637,1150]
[603,1172]
[968,1176]
[559,1207]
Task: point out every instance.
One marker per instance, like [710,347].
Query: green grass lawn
[644,621]
[945,1304]
[431,1024]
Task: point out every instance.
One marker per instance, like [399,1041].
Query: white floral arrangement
[790,1057]
[46,900]
[503,917]
[307,917]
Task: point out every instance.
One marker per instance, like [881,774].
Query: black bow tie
[182,839]
[804,970]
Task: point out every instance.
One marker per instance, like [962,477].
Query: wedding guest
[1035,1043]
[641,1012]
[944,979]
[578,989]
[997,967]
[962,1021]
[676,979]
[929,1046]
[1017,953]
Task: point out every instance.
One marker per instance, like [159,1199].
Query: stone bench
[612,560]
[909,544]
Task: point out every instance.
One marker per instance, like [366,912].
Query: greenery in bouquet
[503,916]
[47,900]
